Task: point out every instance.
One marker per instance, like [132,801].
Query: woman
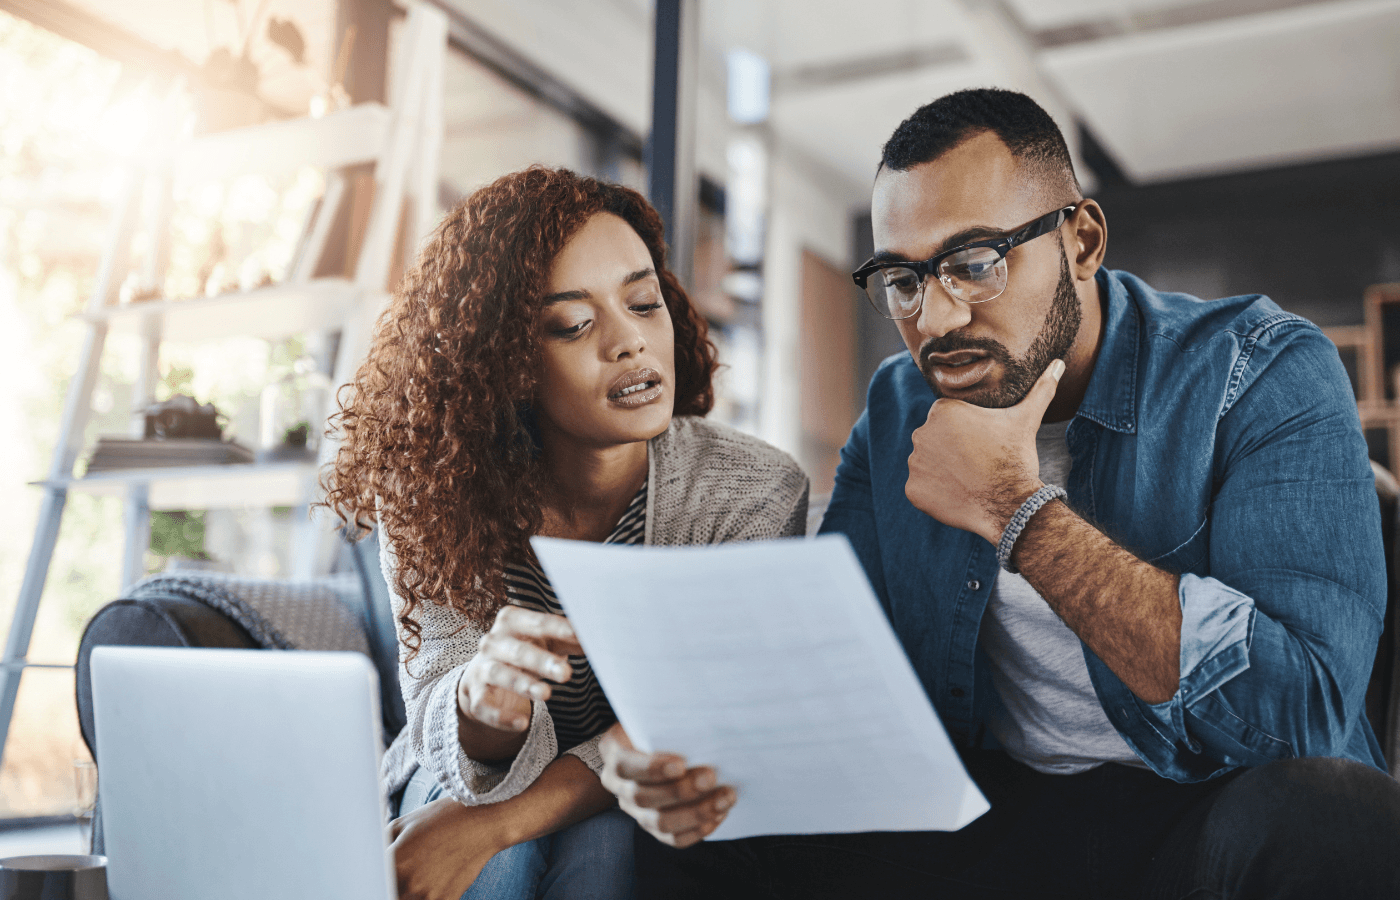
[539,372]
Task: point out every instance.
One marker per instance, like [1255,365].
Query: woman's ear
[1090,240]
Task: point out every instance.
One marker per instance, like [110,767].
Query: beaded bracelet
[1018,522]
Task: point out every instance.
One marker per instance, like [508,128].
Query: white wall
[810,207]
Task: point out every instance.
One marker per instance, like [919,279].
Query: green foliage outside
[178,534]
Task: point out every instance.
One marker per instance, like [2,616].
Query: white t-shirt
[1054,720]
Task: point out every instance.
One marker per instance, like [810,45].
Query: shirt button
[956,692]
[974,585]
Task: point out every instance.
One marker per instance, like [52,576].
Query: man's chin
[985,392]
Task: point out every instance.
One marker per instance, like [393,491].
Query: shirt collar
[1111,398]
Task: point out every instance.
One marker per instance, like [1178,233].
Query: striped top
[578,707]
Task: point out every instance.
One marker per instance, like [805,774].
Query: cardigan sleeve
[589,753]
[449,642]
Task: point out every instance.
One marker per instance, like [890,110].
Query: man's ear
[1090,240]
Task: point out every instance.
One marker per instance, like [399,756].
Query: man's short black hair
[1026,129]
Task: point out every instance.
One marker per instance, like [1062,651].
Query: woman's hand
[440,848]
[522,649]
[676,805]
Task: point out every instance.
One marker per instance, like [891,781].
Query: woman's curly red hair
[436,438]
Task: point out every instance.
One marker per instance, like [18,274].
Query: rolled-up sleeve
[1215,631]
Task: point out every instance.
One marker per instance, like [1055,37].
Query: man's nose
[941,312]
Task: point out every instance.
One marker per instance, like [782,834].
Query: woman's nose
[625,339]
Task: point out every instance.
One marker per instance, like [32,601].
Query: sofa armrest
[149,622]
[153,621]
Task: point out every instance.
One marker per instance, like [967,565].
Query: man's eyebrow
[966,236]
[632,278]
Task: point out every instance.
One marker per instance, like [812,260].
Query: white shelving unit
[206,487]
[270,313]
[402,142]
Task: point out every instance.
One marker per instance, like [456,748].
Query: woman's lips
[636,388]
[960,377]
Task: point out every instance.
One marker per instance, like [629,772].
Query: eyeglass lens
[974,275]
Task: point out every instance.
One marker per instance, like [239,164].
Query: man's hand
[973,467]
[522,649]
[676,805]
[439,849]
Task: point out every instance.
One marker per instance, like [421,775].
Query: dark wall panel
[1311,237]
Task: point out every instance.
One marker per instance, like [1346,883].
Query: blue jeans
[590,860]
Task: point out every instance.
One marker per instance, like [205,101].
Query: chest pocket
[1192,555]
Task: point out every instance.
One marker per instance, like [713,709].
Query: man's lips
[635,388]
[955,358]
[959,370]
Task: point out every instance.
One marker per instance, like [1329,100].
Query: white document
[773,662]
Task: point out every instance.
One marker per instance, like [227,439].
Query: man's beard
[1056,337]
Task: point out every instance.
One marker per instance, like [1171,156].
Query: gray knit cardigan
[707,484]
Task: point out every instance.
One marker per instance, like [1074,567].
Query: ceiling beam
[1129,22]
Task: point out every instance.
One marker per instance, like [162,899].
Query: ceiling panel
[1042,14]
[795,34]
[1305,83]
[846,125]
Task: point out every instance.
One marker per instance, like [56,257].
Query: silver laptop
[240,774]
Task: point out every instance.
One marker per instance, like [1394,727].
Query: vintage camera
[182,417]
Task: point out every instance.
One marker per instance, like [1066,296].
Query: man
[1129,542]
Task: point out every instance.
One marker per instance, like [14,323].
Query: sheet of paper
[773,662]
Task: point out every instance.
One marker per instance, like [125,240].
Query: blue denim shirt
[1218,440]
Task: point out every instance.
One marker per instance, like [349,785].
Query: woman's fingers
[660,794]
[525,656]
[543,629]
[510,668]
[687,838]
[647,768]
[677,819]
[498,707]
[676,805]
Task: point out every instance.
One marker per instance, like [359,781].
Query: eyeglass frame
[1037,227]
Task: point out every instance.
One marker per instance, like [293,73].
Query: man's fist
[973,467]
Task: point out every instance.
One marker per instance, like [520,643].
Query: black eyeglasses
[973,273]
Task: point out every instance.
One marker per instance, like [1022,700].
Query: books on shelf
[112,453]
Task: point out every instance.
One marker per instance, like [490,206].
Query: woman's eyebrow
[632,278]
